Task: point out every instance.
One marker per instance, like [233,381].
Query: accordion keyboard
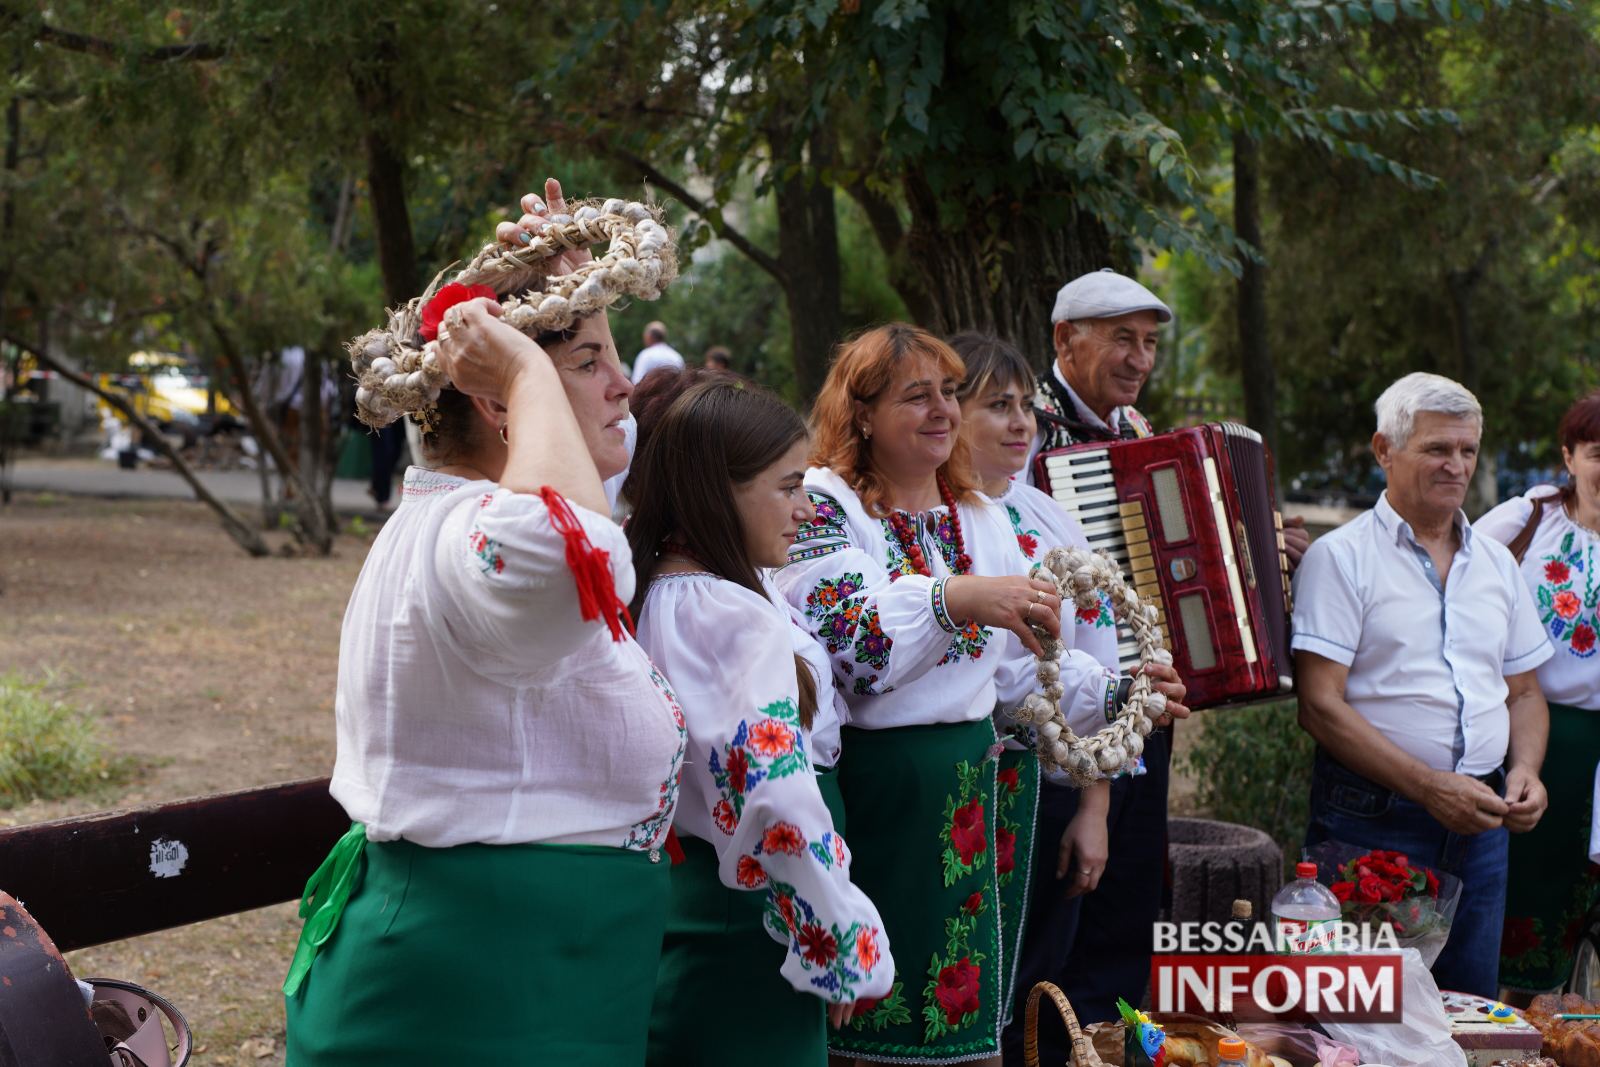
[1082,483]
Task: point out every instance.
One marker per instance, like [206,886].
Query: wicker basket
[1083,1053]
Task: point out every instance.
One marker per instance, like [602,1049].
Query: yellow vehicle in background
[170,391]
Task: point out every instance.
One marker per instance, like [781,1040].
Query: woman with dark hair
[718,498]
[911,581]
[507,752]
[1555,533]
[1072,842]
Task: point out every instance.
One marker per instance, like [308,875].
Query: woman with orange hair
[910,579]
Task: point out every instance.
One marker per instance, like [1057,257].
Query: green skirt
[1017,819]
[1552,885]
[718,989]
[485,954]
[828,786]
[924,816]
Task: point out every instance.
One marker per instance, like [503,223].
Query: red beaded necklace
[909,542]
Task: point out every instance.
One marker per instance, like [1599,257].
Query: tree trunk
[8,222]
[999,272]
[241,531]
[386,173]
[808,251]
[1260,377]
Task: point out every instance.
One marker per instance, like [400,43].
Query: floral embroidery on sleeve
[843,959]
[771,748]
[1027,540]
[823,536]
[650,832]
[845,623]
[968,643]
[487,549]
[1569,614]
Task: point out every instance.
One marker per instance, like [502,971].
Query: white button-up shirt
[1427,660]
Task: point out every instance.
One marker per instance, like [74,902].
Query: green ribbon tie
[327,891]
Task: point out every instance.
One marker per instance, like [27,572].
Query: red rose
[738,769]
[1556,572]
[1582,637]
[1369,890]
[974,903]
[1005,850]
[1433,883]
[1518,936]
[967,831]
[957,991]
[1009,778]
[817,945]
[1342,890]
[445,299]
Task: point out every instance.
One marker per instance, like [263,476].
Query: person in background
[719,358]
[1416,644]
[387,445]
[1553,533]
[656,353]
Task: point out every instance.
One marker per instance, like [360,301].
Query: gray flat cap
[1105,294]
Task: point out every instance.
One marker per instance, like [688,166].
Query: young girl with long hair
[718,497]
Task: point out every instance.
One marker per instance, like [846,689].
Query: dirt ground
[213,671]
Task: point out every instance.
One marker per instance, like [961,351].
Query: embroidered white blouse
[749,787]
[1559,569]
[832,712]
[1428,660]
[896,654]
[476,705]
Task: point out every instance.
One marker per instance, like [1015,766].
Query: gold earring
[503,439]
[867,433]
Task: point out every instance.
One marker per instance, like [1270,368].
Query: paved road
[90,477]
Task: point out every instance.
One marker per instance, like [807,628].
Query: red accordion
[1191,517]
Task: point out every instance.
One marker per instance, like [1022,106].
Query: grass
[48,748]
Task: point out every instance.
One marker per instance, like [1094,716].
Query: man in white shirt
[656,353]
[1415,647]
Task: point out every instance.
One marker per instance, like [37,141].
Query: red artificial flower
[974,903]
[783,837]
[445,299]
[1556,572]
[1342,890]
[1567,604]
[867,952]
[1518,936]
[957,991]
[1010,777]
[1005,850]
[967,831]
[738,769]
[1028,543]
[817,945]
[1369,890]
[1433,883]
[751,874]
[1582,637]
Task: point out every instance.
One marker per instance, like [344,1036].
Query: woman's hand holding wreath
[1082,576]
[537,214]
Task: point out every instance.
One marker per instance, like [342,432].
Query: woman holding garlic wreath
[506,751]
[911,580]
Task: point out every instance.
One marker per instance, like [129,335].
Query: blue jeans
[1347,807]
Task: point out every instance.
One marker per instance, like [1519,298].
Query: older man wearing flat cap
[1089,930]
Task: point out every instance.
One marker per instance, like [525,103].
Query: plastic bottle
[1232,1052]
[1299,908]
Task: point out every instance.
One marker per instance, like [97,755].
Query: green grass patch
[1252,766]
[49,748]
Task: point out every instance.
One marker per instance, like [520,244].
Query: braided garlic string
[397,374]
[1080,576]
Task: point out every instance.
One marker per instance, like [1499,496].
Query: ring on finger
[1029,614]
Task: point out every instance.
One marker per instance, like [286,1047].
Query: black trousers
[1095,947]
[387,444]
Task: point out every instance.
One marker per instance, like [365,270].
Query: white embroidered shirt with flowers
[475,704]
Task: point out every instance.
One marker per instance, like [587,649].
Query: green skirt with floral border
[1552,884]
[922,803]
[1016,821]
[486,954]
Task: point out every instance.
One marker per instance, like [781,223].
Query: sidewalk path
[93,477]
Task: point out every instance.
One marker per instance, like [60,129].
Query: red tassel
[591,568]
[674,847]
